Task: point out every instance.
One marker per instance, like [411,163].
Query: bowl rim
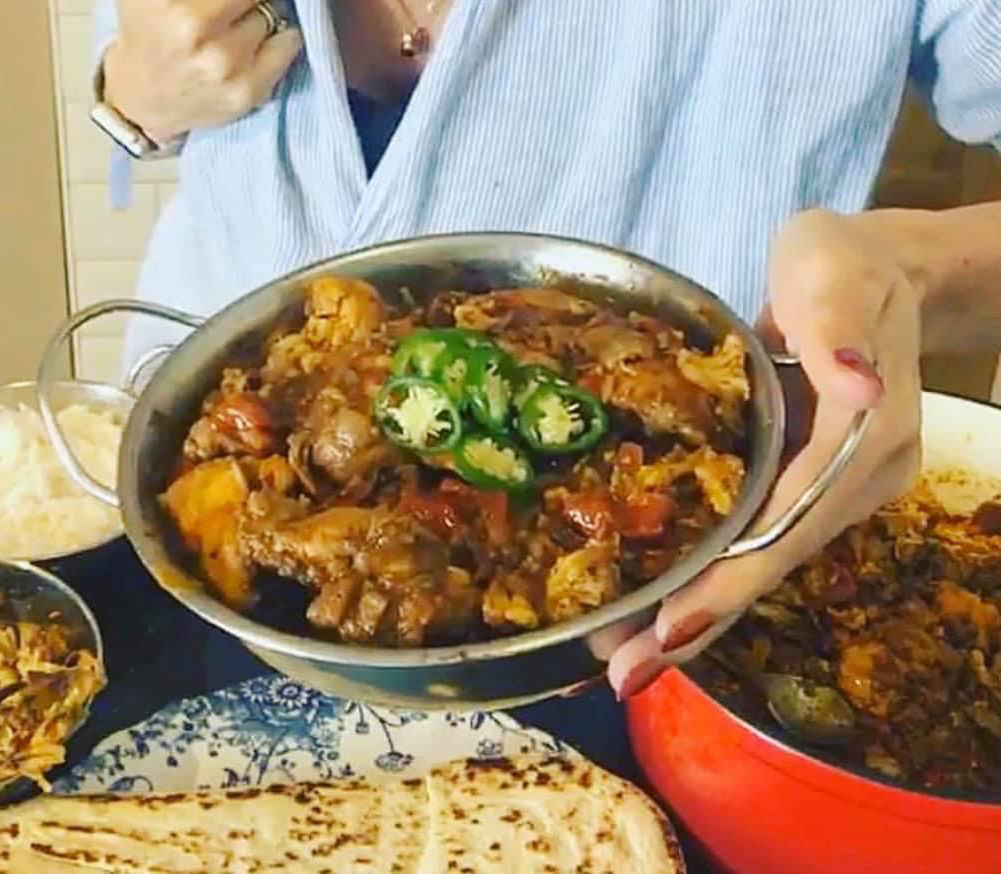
[65,589]
[775,736]
[92,546]
[191,592]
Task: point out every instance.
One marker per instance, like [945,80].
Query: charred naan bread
[530,817]
[525,816]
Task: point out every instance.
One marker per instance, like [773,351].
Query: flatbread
[549,817]
[528,816]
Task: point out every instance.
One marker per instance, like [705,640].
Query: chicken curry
[480,465]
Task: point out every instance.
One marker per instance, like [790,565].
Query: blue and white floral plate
[272,730]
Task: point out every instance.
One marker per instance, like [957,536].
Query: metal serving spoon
[813,712]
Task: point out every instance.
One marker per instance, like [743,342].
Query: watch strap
[123,132]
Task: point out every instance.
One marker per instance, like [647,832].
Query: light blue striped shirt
[684,130]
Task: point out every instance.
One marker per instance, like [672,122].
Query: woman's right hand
[178,65]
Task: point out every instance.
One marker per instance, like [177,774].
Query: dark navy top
[375,123]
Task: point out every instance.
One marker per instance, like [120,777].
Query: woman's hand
[178,65]
[845,304]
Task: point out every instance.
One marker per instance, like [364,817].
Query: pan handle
[806,501]
[151,355]
[46,376]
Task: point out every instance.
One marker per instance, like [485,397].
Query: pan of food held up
[450,470]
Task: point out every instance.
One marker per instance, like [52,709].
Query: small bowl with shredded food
[51,668]
[44,515]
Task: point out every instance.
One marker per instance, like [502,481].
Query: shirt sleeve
[957,64]
[105,29]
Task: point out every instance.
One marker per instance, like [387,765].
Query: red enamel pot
[761,806]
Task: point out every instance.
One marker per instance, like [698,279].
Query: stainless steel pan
[496,673]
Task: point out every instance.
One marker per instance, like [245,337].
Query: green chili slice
[418,352]
[440,354]
[452,372]
[490,386]
[532,377]
[560,419]
[490,461]
[452,369]
[417,414]
[465,337]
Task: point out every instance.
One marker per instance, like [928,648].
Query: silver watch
[128,135]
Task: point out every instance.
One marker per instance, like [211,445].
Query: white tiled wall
[104,246]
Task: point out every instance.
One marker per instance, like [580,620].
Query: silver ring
[274,21]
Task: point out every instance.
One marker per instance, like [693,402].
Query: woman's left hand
[845,305]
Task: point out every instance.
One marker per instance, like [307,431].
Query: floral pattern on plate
[273,730]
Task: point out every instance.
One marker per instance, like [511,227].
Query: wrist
[919,244]
[112,78]
[113,88]
[911,238]
[953,261]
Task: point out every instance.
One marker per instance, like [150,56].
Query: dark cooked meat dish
[903,615]
[481,465]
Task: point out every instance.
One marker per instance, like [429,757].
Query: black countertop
[156,651]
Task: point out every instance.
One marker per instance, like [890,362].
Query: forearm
[954,258]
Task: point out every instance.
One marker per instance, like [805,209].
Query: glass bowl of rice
[44,515]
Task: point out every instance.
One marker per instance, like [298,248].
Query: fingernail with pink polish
[583,687]
[640,678]
[854,360]
[687,630]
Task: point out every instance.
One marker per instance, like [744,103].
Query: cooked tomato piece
[244,417]
[433,509]
[591,512]
[494,507]
[643,515]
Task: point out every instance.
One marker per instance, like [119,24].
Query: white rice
[42,511]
